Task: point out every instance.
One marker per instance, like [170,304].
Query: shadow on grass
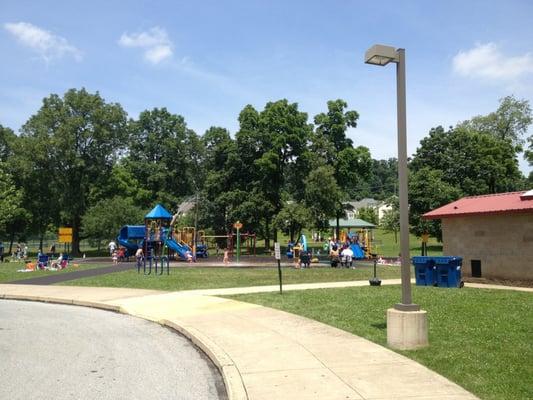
[381,325]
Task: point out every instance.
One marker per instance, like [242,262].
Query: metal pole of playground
[237,225]
[238,244]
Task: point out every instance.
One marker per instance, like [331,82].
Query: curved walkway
[264,353]
[59,352]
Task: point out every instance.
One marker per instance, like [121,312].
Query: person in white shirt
[347,257]
[112,247]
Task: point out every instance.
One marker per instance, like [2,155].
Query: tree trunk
[11,240]
[337,228]
[76,224]
[267,235]
[291,234]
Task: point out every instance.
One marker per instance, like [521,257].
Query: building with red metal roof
[493,233]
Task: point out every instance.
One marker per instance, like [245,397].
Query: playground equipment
[156,231]
[156,234]
[186,236]
[360,241]
[301,246]
[131,237]
[248,241]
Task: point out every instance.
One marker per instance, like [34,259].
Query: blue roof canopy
[158,212]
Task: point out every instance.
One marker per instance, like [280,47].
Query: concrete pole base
[407,330]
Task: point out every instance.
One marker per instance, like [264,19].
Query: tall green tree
[351,165]
[333,125]
[529,151]
[269,145]
[382,182]
[509,122]
[34,170]
[475,163]
[7,143]
[322,196]
[10,198]
[429,190]
[159,155]
[16,218]
[78,138]
[220,194]
[390,221]
[292,219]
[368,214]
[105,218]
[11,211]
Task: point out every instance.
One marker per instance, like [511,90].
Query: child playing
[226,257]
[139,256]
[114,257]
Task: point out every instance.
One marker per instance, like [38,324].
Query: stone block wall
[503,243]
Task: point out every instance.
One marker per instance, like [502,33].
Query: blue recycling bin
[448,271]
[424,270]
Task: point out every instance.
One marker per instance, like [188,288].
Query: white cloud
[43,42]
[486,61]
[155,42]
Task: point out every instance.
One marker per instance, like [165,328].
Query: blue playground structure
[154,237]
[303,243]
[131,237]
[358,252]
[156,231]
[180,248]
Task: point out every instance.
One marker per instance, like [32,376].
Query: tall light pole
[382,55]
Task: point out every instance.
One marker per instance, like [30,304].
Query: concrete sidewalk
[264,353]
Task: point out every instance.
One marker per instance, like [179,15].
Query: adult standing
[334,256]
[1,251]
[52,250]
[112,247]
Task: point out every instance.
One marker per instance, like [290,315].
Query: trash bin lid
[447,259]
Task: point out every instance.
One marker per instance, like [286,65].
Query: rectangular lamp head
[381,55]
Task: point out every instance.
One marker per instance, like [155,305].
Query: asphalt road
[50,351]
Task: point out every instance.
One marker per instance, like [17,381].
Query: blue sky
[206,60]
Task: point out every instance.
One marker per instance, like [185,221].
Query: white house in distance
[493,234]
[355,206]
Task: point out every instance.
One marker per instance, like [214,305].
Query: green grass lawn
[8,271]
[387,246]
[185,278]
[480,339]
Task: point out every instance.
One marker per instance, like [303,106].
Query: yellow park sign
[65,235]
